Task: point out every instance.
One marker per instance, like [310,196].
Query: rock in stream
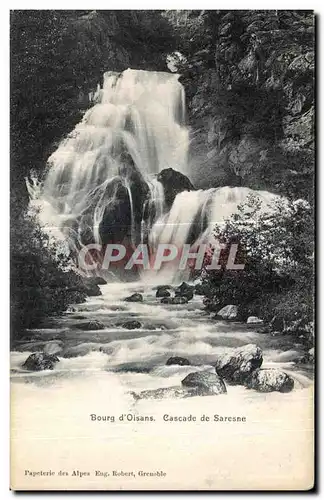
[39,361]
[238,365]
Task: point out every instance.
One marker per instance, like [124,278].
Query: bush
[42,281]
[276,246]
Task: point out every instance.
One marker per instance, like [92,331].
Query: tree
[42,280]
[277,247]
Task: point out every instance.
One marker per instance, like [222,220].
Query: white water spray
[100,184]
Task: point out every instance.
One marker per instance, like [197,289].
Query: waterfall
[134,127]
[101,185]
[193,217]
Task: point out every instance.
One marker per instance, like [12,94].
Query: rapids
[98,370]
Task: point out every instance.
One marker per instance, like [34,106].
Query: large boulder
[229,312]
[131,325]
[254,320]
[135,297]
[269,380]
[89,325]
[202,289]
[185,290]
[162,291]
[178,360]
[207,383]
[166,393]
[173,182]
[237,366]
[40,361]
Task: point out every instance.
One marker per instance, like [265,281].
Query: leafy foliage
[42,281]
[276,247]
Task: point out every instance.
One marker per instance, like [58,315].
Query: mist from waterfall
[135,124]
[103,177]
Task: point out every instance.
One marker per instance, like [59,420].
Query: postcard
[162,250]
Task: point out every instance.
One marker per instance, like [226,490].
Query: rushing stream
[138,120]
[167,330]
[98,370]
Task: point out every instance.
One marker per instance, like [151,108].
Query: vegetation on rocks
[42,281]
[277,249]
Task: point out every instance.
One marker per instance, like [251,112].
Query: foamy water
[52,426]
[107,166]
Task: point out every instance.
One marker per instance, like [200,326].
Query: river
[98,370]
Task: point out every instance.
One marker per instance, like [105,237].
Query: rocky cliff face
[249,78]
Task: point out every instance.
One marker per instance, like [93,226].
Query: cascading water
[134,130]
[101,184]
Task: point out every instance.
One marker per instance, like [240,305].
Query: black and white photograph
[162,250]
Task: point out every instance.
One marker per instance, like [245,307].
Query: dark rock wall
[249,80]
